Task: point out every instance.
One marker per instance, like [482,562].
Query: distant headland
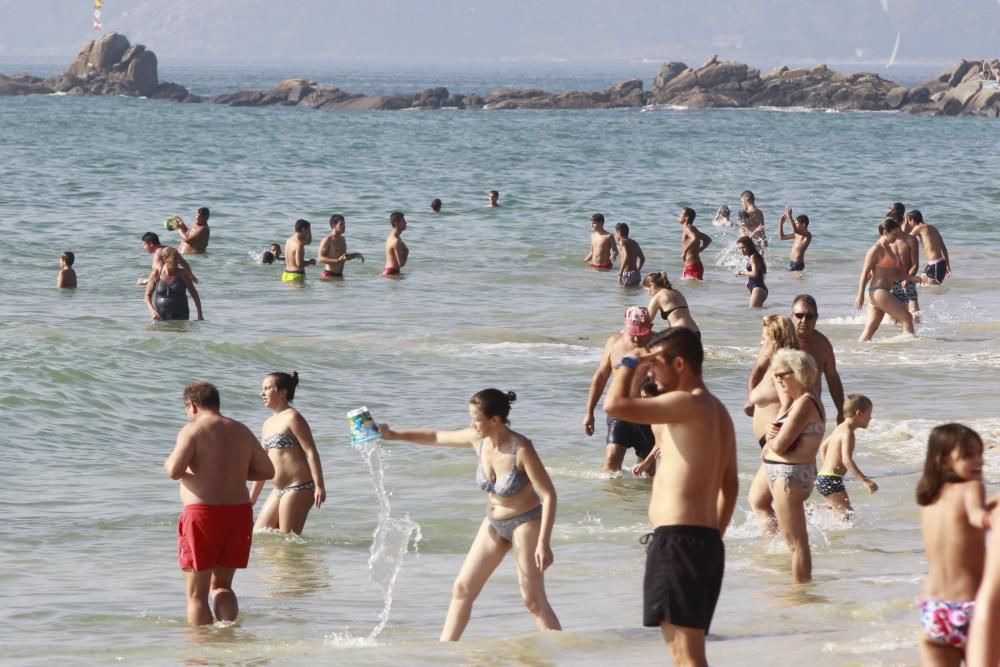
[112,65]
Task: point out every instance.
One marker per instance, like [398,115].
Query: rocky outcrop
[110,65]
[24,85]
[963,90]
[113,66]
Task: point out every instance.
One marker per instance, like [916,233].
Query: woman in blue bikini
[520,513]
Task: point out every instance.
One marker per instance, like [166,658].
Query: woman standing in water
[520,513]
[298,474]
[883,267]
[170,285]
[763,404]
[789,454]
[667,301]
[756,268]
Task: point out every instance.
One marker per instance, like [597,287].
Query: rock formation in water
[110,65]
[113,66]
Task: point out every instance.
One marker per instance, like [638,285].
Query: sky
[760,32]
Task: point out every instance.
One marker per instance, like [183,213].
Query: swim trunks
[945,622]
[694,271]
[631,436]
[293,277]
[211,536]
[684,568]
[629,279]
[601,266]
[904,295]
[328,274]
[390,271]
[828,483]
[935,270]
[505,527]
[796,266]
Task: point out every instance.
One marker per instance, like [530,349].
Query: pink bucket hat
[637,321]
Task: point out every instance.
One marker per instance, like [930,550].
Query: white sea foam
[559,352]
[664,107]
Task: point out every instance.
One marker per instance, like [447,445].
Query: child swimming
[953,520]
[837,454]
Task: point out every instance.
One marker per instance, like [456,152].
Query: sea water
[90,389]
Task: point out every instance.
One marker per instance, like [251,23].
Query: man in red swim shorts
[693,243]
[214,458]
[396,252]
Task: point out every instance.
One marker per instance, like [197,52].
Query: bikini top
[666,313]
[888,259]
[280,441]
[515,480]
[812,428]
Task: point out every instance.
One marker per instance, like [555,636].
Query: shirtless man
[907,249]
[67,274]
[333,249]
[194,241]
[493,200]
[938,263]
[804,314]
[295,253]
[622,435]
[693,243]
[214,458]
[396,252]
[603,250]
[694,492]
[630,273]
[801,236]
[151,242]
[752,221]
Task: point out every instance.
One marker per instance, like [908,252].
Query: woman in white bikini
[789,454]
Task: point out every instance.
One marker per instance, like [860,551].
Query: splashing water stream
[390,544]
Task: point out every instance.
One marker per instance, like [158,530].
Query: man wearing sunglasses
[805,313]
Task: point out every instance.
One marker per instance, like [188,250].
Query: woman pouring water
[520,513]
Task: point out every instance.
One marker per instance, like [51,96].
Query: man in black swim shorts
[694,493]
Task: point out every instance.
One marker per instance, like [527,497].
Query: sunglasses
[782,374]
[805,316]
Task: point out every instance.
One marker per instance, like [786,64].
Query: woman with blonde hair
[777,333]
[170,284]
[668,302]
[789,452]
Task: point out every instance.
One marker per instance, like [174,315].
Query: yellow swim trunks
[293,277]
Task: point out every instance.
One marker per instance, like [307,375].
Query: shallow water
[91,389]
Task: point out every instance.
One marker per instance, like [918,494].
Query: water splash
[390,544]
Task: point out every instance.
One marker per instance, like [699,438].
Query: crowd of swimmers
[656,404]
